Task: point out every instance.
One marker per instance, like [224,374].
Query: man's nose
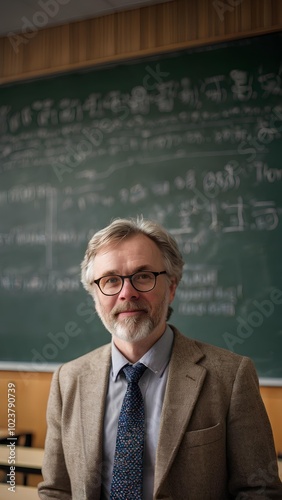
[128,291]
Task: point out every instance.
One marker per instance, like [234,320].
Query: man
[206,434]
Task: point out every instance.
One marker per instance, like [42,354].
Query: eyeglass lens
[142,281]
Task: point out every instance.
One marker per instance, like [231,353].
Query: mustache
[130,306]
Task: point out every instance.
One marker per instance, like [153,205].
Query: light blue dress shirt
[152,385]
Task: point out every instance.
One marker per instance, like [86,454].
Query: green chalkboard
[190,139]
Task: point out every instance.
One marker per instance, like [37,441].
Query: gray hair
[125,228]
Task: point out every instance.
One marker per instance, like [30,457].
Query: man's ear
[172,289]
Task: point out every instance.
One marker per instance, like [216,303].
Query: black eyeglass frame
[129,276]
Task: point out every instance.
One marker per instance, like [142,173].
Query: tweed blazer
[215,440]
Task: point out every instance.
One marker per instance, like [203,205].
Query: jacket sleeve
[56,481]
[252,461]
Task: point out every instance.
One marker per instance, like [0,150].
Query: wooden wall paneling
[160,27]
[272,397]
[230,18]
[169,26]
[189,20]
[44,47]
[6,48]
[102,37]
[32,390]
[57,50]
[77,43]
[236,17]
[13,62]
[119,32]
[277,13]
[36,59]
[264,14]
[267,13]
[84,36]
[109,36]
[245,16]
[203,27]
[128,32]
[74,43]
[96,39]
[84,40]
[28,55]
[217,25]
[148,28]
[49,49]
[256,15]
[132,27]
[1,56]
[65,45]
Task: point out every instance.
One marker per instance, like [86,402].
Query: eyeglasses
[143,281]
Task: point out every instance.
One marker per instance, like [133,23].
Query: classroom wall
[32,390]
[129,34]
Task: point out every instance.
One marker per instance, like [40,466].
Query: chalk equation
[200,154]
[241,85]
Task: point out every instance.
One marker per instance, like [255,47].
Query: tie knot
[134,373]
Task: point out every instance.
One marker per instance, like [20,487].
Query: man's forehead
[133,246]
[125,241]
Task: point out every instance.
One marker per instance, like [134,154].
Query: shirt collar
[156,359]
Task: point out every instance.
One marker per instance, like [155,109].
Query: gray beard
[133,329]
[130,329]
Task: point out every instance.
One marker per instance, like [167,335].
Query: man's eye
[143,276]
[112,280]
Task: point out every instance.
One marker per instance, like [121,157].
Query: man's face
[131,315]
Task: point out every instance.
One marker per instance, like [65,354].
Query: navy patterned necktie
[128,461]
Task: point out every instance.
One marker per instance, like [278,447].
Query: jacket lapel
[185,380]
[93,386]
